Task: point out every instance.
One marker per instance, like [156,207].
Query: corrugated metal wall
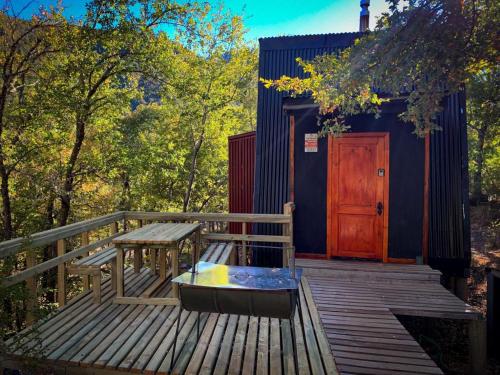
[278,57]
[241,176]
[449,225]
[449,236]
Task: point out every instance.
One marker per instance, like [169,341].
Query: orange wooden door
[358,195]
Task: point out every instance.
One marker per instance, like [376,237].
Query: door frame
[330,251]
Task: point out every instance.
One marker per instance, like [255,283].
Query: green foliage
[422,50]
[128,108]
[483,110]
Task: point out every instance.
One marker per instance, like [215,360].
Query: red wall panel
[241,176]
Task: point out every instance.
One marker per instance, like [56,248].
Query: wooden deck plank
[68,335]
[351,318]
[238,346]
[251,346]
[58,327]
[202,346]
[148,339]
[226,254]
[158,339]
[275,348]
[287,348]
[105,348]
[263,347]
[134,338]
[365,337]
[188,346]
[305,367]
[214,345]
[309,305]
[165,346]
[227,343]
[386,358]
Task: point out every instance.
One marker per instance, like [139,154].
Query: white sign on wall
[311,142]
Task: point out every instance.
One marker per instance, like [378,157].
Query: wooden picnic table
[165,237]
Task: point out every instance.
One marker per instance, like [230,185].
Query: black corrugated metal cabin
[379,192]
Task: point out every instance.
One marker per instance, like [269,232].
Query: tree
[421,50]
[24,45]
[483,109]
[171,150]
[105,53]
[215,71]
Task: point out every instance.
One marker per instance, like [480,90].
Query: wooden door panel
[355,188]
[356,235]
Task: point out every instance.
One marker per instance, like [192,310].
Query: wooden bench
[91,266]
[220,252]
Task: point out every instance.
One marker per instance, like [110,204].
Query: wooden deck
[357,303]
[349,327]
[86,338]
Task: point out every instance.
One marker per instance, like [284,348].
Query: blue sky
[266,18]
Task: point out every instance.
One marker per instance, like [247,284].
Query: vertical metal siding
[449,232]
[278,57]
[449,237]
[241,175]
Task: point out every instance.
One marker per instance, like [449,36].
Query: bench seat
[220,252]
[91,266]
[98,259]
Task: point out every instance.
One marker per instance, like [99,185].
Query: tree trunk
[477,186]
[4,174]
[69,177]
[6,204]
[49,277]
[192,173]
[125,202]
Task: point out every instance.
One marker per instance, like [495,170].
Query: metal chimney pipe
[364,16]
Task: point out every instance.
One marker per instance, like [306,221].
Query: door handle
[380,208]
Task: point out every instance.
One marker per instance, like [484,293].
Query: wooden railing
[215,227]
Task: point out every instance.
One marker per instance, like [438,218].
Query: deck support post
[243,260]
[138,254]
[477,346]
[96,286]
[119,271]
[31,303]
[61,274]
[113,274]
[85,278]
[152,258]
[288,231]
[137,259]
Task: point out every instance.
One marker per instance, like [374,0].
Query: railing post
[85,278]
[114,227]
[288,230]
[243,261]
[477,346]
[31,303]
[61,274]
[138,254]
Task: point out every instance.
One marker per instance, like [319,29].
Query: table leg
[196,251]
[153,260]
[119,272]
[163,264]
[137,260]
[175,271]
[113,274]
